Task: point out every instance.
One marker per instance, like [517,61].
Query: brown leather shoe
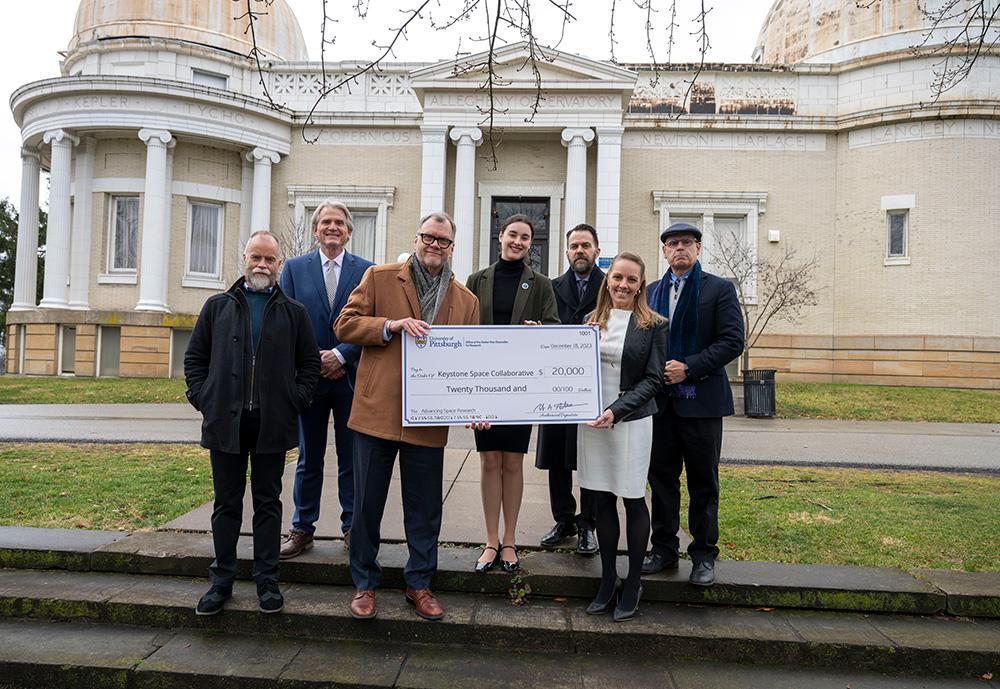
[363,604]
[426,604]
[296,543]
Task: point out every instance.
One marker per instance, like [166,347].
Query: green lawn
[103,487]
[860,517]
[777,514]
[66,390]
[882,403]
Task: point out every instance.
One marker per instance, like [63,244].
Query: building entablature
[100,104]
[804,99]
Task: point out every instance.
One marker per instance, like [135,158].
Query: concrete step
[912,644]
[72,655]
[559,574]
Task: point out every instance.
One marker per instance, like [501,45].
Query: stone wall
[912,360]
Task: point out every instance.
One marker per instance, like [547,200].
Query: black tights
[636,538]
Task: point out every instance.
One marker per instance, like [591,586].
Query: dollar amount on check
[503,374]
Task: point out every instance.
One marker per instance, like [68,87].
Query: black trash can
[758,393]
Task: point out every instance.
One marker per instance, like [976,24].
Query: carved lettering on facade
[87,102]
[218,114]
[458,101]
[921,131]
[368,137]
[725,141]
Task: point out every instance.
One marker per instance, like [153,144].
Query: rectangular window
[205,78]
[124,234]
[204,240]
[178,347]
[896,225]
[363,237]
[111,349]
[67,357]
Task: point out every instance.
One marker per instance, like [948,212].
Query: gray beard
[259,282]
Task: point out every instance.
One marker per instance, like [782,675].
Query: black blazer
[556,448]
[573,311]
[719,340]
[643,357]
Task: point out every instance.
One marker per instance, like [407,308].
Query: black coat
[718,341]
[643,357]
[556,447]
[573,310]
[223,372]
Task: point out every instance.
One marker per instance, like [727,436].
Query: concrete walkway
[875,444]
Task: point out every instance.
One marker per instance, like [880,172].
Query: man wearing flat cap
[706,333]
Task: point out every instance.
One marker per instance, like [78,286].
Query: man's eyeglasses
[682,241]
[429,239]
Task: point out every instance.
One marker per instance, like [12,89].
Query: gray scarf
[430,288]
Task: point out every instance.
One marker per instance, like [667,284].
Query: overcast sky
[32,33]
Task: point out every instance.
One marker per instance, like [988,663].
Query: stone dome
[203,22]
[797,30]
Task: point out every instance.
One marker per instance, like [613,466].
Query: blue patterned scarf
[682,338]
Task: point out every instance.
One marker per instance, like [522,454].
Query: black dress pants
[564,503]
[420,474]
[229,479]
[695,446]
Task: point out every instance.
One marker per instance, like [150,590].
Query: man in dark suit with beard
[576,296]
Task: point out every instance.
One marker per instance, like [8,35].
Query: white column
[155,242]
[79,267]
[432,168]
[26,269]
[246,204]
[609,180]
[260,211]
[466,140]
[58,235]
[576,141]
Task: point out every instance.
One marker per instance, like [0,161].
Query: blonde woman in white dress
[613,450]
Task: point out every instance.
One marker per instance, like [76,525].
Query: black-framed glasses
[429,239]
[683,241]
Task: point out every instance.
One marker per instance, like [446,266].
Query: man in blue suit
[322,280]
[706,333]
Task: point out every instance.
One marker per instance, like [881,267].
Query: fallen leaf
[988,676]
[559,600]
[765,609]
[63,494]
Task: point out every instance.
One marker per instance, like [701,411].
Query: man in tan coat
[394,301]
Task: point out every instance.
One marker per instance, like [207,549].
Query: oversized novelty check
[504,374]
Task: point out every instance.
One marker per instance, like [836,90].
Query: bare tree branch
[354,75]
[783,286]
[255,53]
[502,17]
[977,31]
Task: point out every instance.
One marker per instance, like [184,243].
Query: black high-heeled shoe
[599,607]
[484,566]
[621,614]
[509,566]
